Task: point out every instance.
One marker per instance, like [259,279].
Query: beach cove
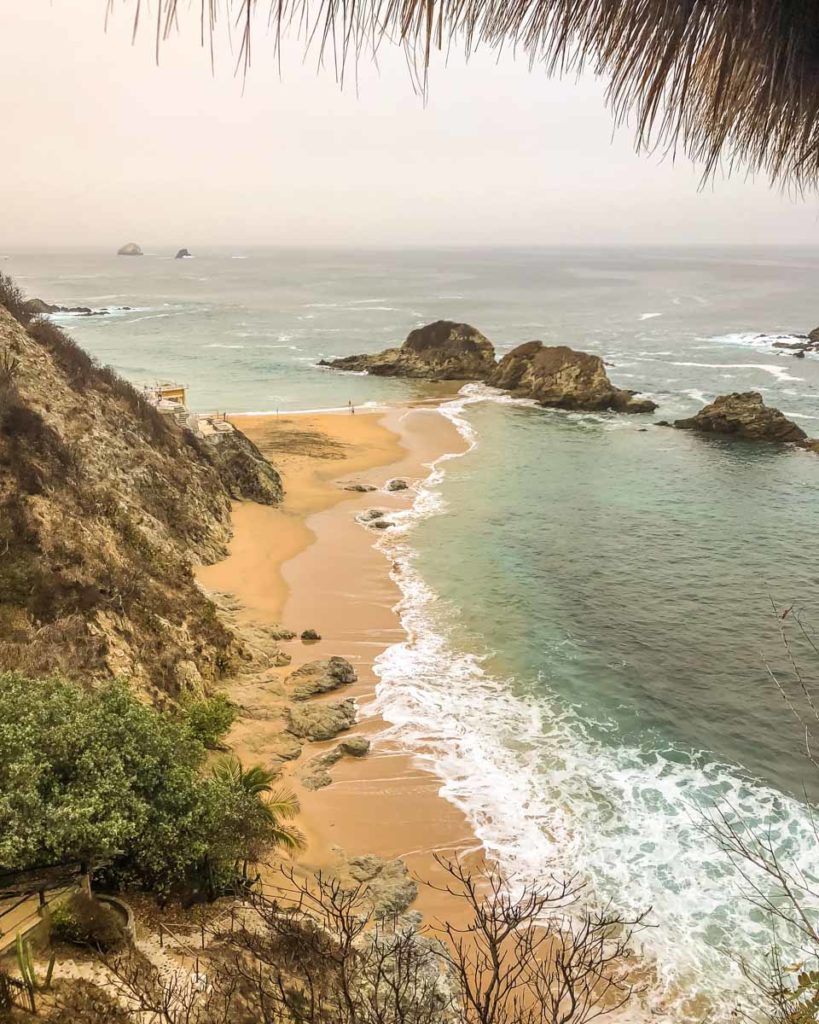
[590,619]
[311,564]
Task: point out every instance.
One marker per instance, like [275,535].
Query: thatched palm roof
[733,81]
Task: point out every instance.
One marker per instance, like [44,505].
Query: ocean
[591,601]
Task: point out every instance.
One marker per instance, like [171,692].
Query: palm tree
[263,811]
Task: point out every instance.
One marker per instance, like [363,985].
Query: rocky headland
[559,377]
[38,307]
[105,507]
[442,350]
[745,415]
[552,375]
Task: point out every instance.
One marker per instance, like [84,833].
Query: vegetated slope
[104,507]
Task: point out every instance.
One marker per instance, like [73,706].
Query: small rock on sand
[397,485]
[310,636]
[354,746]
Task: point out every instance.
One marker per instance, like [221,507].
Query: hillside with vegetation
[105,506]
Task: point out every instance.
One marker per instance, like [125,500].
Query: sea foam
[544,795]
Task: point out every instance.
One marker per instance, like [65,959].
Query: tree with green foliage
[98,776]
[210,719]
[262,815]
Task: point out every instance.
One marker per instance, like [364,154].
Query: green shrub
[209,720]
[100,776]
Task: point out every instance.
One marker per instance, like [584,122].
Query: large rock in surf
[743,415]
[183,254]
[322,676]
[442,350]
[130,249]
[559,377]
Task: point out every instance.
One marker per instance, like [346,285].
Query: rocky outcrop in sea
[38,307]
[442,350]
[745,415]
[559,377]
[555,376]
[183,254]
[130,249]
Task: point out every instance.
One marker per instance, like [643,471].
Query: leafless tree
[312,950]
[770,879]
[531,955]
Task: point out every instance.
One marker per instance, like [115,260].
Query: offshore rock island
[553,376]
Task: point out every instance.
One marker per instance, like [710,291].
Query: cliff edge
[105,506]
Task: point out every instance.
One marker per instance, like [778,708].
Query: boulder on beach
[322,676]
[743,415]
[559,377]
[183,254]
[130,249]
[321,721]
[389,884]
[316,773]
[355,746]
[397,485]
[310,636]
[442,350]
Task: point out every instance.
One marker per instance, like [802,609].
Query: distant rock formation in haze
[183,254]
[130,249]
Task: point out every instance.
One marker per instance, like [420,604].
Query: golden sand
[310,564]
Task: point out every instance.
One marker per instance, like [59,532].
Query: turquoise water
[589,598]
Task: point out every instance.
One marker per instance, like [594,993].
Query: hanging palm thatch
[733,81]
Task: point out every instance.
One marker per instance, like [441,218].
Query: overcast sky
[101,146]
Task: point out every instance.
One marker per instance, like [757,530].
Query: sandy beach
[311,564]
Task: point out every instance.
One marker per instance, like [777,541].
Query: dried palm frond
[731,80]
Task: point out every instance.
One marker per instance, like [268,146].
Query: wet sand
[310,564]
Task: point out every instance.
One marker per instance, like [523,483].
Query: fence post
[161,935]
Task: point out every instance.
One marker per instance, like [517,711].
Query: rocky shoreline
[559,377]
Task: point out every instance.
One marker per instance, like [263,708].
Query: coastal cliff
[105,505]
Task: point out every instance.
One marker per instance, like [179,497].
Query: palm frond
[734,82]
[283,804]
[288,837]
